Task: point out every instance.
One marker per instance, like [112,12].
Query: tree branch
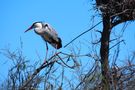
[24,86]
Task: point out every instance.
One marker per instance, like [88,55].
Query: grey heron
[48,34]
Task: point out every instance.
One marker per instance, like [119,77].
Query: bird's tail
[56,44]
[59,44]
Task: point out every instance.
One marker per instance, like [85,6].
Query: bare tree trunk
[104,52]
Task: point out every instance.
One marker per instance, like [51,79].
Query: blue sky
[68,17]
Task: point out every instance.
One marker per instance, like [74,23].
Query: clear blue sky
[68,17]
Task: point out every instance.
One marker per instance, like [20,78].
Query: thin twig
[65,63]
[82,34]
[116,44]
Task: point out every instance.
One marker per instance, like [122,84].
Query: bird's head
[36,25]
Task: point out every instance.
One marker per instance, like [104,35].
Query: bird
[47,33]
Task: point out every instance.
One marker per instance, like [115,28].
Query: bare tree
[113,12]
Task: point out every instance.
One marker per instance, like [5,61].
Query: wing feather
[51,36]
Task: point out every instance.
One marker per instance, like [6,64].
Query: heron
[48,34]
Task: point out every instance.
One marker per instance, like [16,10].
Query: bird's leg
[45,61]
[56,50]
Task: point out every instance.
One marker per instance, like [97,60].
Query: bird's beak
[30,28]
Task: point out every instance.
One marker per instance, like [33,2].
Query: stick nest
[117,9]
